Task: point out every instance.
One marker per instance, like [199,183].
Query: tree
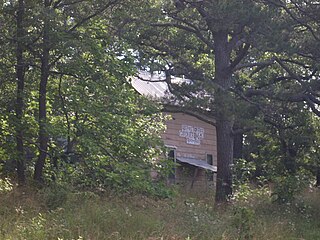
[77,109]
[20,69]
[55,21]
[13,63]
[209,42]
[249,51]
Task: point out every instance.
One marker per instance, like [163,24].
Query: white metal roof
[154,84]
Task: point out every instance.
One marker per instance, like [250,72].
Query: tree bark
[224,161]
[318,177]
[225,118]
[20,98]
[45,68]
[238,146]
[288,156]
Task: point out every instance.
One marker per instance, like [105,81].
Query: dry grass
[61,214]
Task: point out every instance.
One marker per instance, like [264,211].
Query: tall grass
[60,213]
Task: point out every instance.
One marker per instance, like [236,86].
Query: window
[210,162]
[172,157]
[209,159]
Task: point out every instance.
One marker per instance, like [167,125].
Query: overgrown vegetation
[80,142]
[68,111]
[63,213]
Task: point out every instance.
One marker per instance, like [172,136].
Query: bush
[244,190]
[286,187]
[244,219]
[5,185]
[54,195]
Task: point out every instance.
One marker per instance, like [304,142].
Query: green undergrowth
[61,213]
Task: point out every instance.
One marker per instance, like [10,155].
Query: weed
[74,215]
[55,195]
[244,219]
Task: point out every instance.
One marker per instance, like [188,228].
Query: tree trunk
[318,177]
[225,159]
[43,135]
[225,118]
[288,156]
[238,146]
[20,98]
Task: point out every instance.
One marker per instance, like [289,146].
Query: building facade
[191,143]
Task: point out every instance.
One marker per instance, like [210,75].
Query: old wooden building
[190,142]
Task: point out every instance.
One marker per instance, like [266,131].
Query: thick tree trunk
[318,177]
[43,135]
[238,146]
[225,117]
[19,100]
[288,157]
[291,160]
[225,159]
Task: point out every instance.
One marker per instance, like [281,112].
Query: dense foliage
[68,111]
[252,68]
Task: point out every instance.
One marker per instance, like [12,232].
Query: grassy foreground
[57,213]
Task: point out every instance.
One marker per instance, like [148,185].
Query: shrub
[287,186]
[243,220]
[55,195]
[5,185]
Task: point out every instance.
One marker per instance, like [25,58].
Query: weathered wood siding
[208,145]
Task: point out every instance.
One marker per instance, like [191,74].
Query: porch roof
[197,163]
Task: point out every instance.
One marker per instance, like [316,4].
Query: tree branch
[189,29]
[255,64]
[178,109]
[242,53]
[99,11]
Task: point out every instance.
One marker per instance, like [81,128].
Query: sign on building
[193,135]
